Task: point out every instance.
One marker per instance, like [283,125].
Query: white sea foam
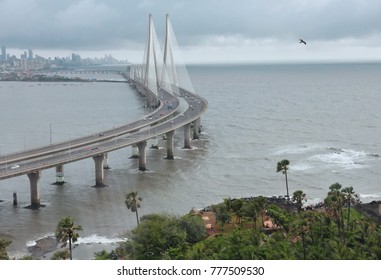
[33,242]
[372,195]
[299,149]
[344,158]
[90,239]
[97,239]
[301,167]
[313,201]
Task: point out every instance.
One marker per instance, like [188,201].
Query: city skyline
[27,61]
[30,54]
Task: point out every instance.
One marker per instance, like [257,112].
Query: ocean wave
[300,149]
[346,158]
[90,239]
[372,195]
[32,243]
[97,239]
[301,167]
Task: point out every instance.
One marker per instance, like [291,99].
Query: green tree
[228,203]
[133,203]
[155,235]
[61,255]
[194,227]
[103,255]
[66,232]
[261,203]
[236,207]
[222,214]
[298,197]
[350,198]
[334,206]
[251,209]
[300,227]
[3,245]
[278,215]
[283,166]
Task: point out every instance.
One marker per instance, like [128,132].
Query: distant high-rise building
[24,65]
[30,54]
[3,53]
[75,58]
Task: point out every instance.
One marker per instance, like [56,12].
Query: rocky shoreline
[43,246]
[46,247]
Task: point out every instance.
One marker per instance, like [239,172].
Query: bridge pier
[170,144]
[196,128]
[59,175]
[99,172]
[34,178]
[142,155]
[134,151]
[105,162]
[187,139]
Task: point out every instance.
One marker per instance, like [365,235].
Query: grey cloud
[96,24]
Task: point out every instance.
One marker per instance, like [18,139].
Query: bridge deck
[163,120]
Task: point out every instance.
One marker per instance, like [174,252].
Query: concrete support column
[187,139]
[34,178]
[170,144]
[60,174]
[134,151]
[14,198]
[105,162]
[142,155]
[196,128]
[99,172]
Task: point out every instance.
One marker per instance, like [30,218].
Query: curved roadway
[161,121]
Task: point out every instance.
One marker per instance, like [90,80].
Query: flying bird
[302,41]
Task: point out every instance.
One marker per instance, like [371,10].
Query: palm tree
[66,231]
[222,214]
[334,205]
[350,197]
[251,209]
[132,202]
[236,206]
[298,197]
[300,227]
[261,203]
[283,166]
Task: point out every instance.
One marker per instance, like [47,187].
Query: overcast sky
[206,30]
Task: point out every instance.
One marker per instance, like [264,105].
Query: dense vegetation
[334,230]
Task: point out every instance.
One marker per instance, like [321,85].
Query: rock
[43,246]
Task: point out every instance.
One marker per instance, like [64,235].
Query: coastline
[44,248]
[86,247]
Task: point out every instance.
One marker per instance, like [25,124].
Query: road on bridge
[160,122]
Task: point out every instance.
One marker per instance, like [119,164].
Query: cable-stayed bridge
[162,78]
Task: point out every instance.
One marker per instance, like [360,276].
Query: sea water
[323,118]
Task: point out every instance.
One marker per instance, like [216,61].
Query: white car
[15,166]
